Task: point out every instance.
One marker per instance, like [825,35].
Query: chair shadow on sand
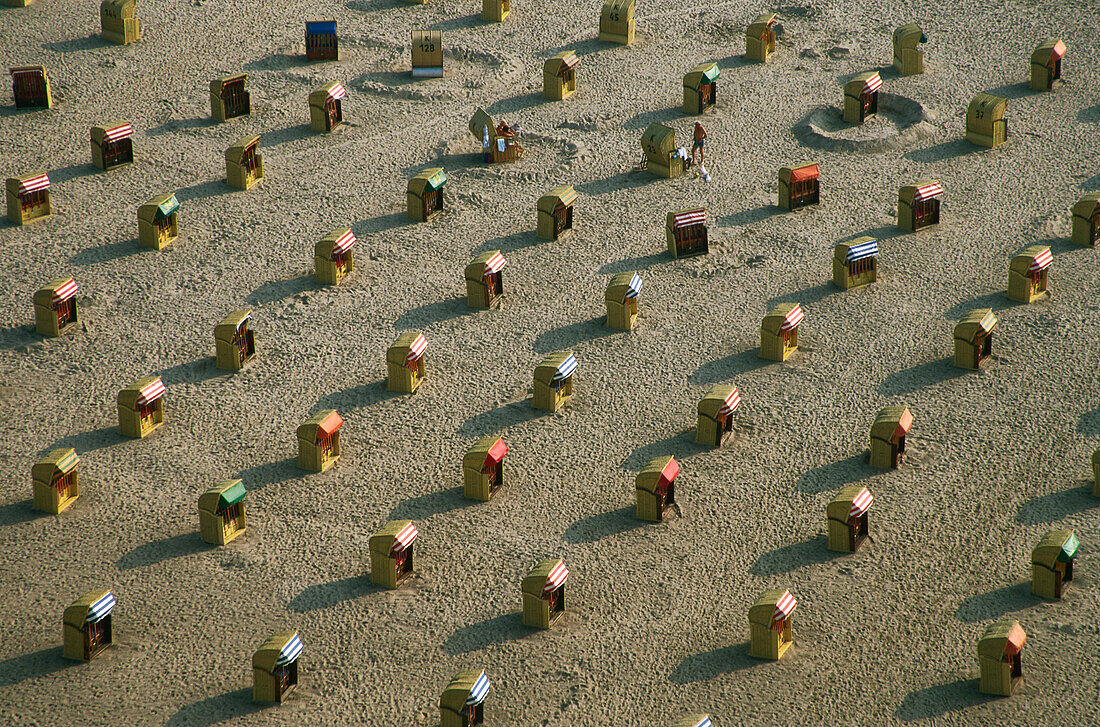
[680,445]
[425,506]
[834,475]
[793,556]
[357,397]
[483,634]
[572,334]
[708,665]
[320,596]
[158,551]
[216,710]
[729,367]
[920,376]
[602,525]
[35,665]
[15,513]
[941,699]
[505,415]
[997,603]
[1057,505]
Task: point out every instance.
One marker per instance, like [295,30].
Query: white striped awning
[336,93]
[565,369]
[635,286]
[71,460]
[784,607]
[690,217]
[404,538]
[1042,261]
[34,184]
[346,242]
[151,392]
[872,84]
[928,191]
[478,691]
[416,348]
[704,722]
[572,59]
[495,264]
[731,403]
[101,609]
[65,291]
[557,577]
[792,319]
[861,251]
[117,133]
[861,503]
[290,652]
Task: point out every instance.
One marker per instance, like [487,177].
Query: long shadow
[516,103]
[631,179]
[920,376]
[494,420]
[270,473]
[680,445]
[731,62]
[204,190]
[643,262]
[512,242]
[661,116]
[1089,115]
[1091,184]
[429,313]
[161,550]
[938,700]
[71,172]
[297,132]
[714,663]
[794,556]
[1059,245]
[879,233]
[215,710]
[582,47]
[18,512]
[1015,90]
[18,336]
[996,300]
[835,475]
[32,666]
[1057,505]
[110,251]
[727,367]
[326,595]
[996,603]
[393,79]
[1088,423]
[91,440]
[192,372]
[274,290]
[745,217]
[382,223]
[465,21]
[602,525]
[88,42]
[175,125]
[806,295]
[573,334]
[424,506]
[277,62]
[495,630]
[373,6]
[941,152]
[357,397]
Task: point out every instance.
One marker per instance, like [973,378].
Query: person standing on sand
[700,140]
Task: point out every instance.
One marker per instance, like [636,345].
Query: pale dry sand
[657,622]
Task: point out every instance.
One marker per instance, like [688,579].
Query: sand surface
[657,622]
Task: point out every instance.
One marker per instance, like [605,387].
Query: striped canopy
[416,348]
[704,722]
[478,691]
[872,84]
[571,60]
[568,196]
[117,133]
[635,286]
[404,538]
[336,93]
[64,291]
[151,392]
[100,609]
[345,243]
[290,652]
[927,191]
[861,503]
[1042,261]
[565,368]
[34,184]
[690,217]
[557,577]
[731,403]
[861,251]
[70,461]
[495,264]
[792,319]
[784,607]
